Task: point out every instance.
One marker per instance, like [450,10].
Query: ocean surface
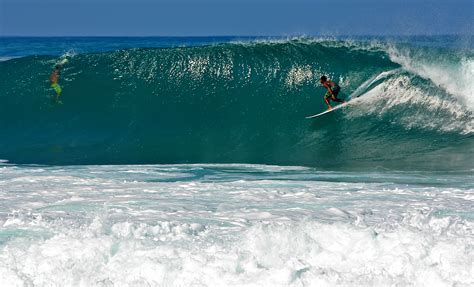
[189,162]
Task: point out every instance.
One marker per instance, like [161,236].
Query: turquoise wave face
[238,103]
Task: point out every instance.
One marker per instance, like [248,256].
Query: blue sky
[234,17]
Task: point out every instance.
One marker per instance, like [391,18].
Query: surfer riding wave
[333,90]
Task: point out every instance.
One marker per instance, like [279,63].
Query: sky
[235,17]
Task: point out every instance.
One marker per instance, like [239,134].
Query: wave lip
[451,71]
[7,58]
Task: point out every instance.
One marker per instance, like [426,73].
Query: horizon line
[227,36]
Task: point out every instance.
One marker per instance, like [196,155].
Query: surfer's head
[323,79]
[57,67]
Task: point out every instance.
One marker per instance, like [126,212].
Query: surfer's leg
[58,91]
[337,100]
[326,99]
[335,92]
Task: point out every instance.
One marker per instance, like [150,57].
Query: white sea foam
[233,225]
[455,76]
[413,107]
[264,254]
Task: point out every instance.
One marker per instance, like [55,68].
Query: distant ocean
[189,162]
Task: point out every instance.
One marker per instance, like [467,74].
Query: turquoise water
[189,162]
[243,101]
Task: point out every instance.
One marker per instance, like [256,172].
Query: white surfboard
[328,111]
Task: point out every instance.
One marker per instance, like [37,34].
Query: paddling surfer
[333,90]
